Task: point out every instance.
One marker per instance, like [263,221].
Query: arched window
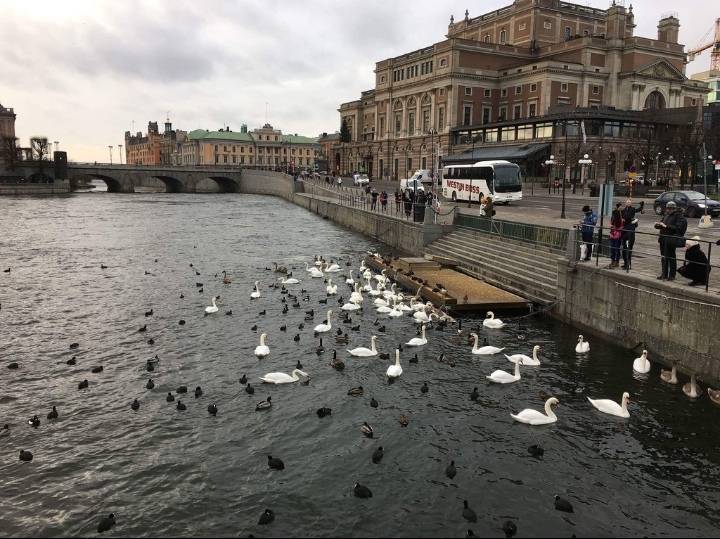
[503,36]
[487,38]
[655,101]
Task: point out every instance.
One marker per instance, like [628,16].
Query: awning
[514,154]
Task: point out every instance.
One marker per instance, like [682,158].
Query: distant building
[7,122]
[712,78]
[330,162]
[154,148]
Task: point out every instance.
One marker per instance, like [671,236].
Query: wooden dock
[459,292]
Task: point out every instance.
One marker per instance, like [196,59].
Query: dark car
[691,201]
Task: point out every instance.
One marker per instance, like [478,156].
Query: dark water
[165,472]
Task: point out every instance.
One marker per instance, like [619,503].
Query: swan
[332,268]
[669,377]
[533,417]
[350,279]
[502,377]
[262,349]
[318,261]
[291,280]
[422,315]
[421,341]
[367,274]
[385,309]
[324,328]
[714,395]
[395,371]
[356,296]
[583,347]
[213,309]
[485,350]
[365,352]
[492,322]
[396,311]
[380,302]
[404,308]
[330,288]
[367,287]
[429,319]
[390,293]
[282,378]
[256,293]
[417,305]
[381,278]
[641,364]
[607,406]
[349,306]
[525,360]
[691,389]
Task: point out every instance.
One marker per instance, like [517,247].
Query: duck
[331,289]
[243,379]
[266,518]
[264,405]
[475,395]
[181,390]
[492,322]
[714,395]
[365,352]
[342,339]
[180,406]
[249,389]
[373,402]
[34,421]
[356,391]
[450,470]
[336,363]
[142,329]
[641,364]
[83,385]
[262,350]
[275,463]
[361,491]
[170,397]
[198,392]
[536,451]
[135,405]
[484,350]
[395,371]
[413,359]
[106,523]
[691,389]
[424,388]
[669,377]
[403,420]
[610,407]
[583,347]
[150,384]
[525,360]
[53,413]
[367,430]
[502,377]
[468,514]
[418,341]
[255,294]
[325,327]
[282,378]
[212,409]
[563,505]
[533,417]
[25,456]
[213,308]
[377,455]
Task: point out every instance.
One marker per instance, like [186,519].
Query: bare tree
[40,148]
[9,152]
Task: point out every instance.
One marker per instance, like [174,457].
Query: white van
[420,180]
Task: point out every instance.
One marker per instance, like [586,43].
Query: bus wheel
[454,196]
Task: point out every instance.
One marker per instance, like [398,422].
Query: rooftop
[204,134]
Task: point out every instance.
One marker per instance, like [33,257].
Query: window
[234,159]
[487,93]
[487,114]
[275,137]
[382,126]
[547,25]
[442,92]
[507,133]
[467,115]
[532,110]
[382,79]
[468,91]
[564,87]
[533,87]
[503,36]
[424,163]
[586,32]
[411,123]
[233,149]
[596,90]
[487,38]
[441,118]
[503,92]
[525,132]
[426,121]
[491,135]
[517,112]
[216,147]
[544,130]
[502,114]
[443,62]
[518,90]
[398,123]
[568,33]
[522,26]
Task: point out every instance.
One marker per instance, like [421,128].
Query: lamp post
[657,167]
[433,132]
[549,164]
[705,220]
[120,146]
[584,162]
[110,148]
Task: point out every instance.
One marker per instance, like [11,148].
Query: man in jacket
[627,240]
[588,223]
[672,231]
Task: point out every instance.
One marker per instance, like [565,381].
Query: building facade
[712,79]
[154,148]
[7,122]
[526,62]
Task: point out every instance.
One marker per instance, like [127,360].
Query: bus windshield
[507,179]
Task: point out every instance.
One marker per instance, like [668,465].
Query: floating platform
[459,292]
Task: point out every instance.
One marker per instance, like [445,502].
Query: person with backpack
[672,235]
[616,231]
[587,231]
[627,241]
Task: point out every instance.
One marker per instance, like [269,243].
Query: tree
[9,152]
[39,147]
[344,132]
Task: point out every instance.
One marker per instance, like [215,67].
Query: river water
[183,473]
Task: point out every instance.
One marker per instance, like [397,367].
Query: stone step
[501,240]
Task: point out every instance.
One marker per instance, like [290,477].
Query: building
[154,148]
[326,161]
[7,122]
[509,79]
[712,79]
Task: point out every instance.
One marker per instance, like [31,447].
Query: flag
[582,128]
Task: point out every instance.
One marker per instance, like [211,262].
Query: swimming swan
[485,350]
[502,377]
[365,352]
[641,364]
[282,378]
[262,350]
[583,347]
[492,322]
[395,371]
[324,328]
[607,406]
[526,360]
[533,417]
[418,341]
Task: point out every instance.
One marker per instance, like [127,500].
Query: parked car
[360,179]
[691,201]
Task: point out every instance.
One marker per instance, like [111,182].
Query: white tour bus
[500,179]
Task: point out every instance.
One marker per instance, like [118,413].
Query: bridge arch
[172,185]
[113,185]
[225,184]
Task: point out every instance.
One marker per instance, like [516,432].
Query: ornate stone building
[496,78]
[154,148]
[7,122]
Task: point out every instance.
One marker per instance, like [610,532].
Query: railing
[552,237]
[624,249]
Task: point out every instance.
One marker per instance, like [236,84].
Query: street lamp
[110,148]
[549,164]
[120,146]
[705,220]
[585,161]
[433,132]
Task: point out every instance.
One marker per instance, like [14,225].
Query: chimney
[669,29]
[243,128]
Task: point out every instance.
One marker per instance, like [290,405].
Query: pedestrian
[327,180]
[373,197]
[489,207]
[383,200]
[616,230]
[587,232]
[672,235]
[696,267]
[627,240]
[367,189]
[339,182]
[409,201]
[398,200]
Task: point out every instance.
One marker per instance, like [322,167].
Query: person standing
[587,231]
[373,199]
[489,207]
[383,200]
[616,230]
[696,266]
[672,231]
[398,200]
[408,198]
[627,240]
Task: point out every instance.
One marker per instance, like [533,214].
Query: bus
[500,179]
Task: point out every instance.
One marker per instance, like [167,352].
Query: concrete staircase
[519,267]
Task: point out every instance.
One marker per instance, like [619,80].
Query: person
[489,207]
[398,200]
[627,240]
[339,182]
[696,263]
[373,197]
[587,231]
[616,230]
[408,198]
[483,202]
[672,231]
[327,180]
[383,200]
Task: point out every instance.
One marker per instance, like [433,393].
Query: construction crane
[714,44]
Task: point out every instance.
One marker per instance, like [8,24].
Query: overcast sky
[81,71]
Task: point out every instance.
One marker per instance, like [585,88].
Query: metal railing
[552,237]
[602,246]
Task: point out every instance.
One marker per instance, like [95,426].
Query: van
[420,180]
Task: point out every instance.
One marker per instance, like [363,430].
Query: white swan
[422,315]
[349,306]
[492,322]
[331,268]
[533,417]
[356,296]
[282,378]
[691,389]
[350,279]
[669,377]
[418,341]
[384,309]
[380,302]
[256,293]
[430,318]
[525,360]
[641,364]
[607,406]
[417,305]
[396,311]
[213,309]
[485,350]
[330,288]
[381,278]
[390,293]
[583,347]
[368,287]
[365,352]
[291,280]
[262,350]
[502,377]
[395,371]
[324,328]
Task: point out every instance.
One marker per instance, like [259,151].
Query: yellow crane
[708,42]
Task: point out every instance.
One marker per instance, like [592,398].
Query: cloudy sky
[82,71]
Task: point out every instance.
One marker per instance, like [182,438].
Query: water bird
[96,370]
[264,405]
[691,389]
[296,338]
[502,377]
[467,513]
[170,397]
[336,363]
[509,529]
[373,402]
[382,329]
[450,470]
[275,464]
[403,420]
[377,455]
[243,380]
[25,456]
[301,326]
[325,327]
[395,371]
[607,406]
[34,421]
[536,451]
[361,491]
[384,356]
[106,523]
[142,329]
[262,313]
[74,345]
[342,339]
[563,505]
[413,359]
[149,313]
[102,266]
[254,328]
[365,352]
[212,409]
[14,365]
[285,309]
[282,378]
[182,296]
[180,406]
[669,377]
[53,413]
[201,290]
[198,392]
[228,280]
[323,412]
[484,350]
[83,385]
[213,308]
[356,391]
[135,405]
[533,417]
[249,389]
[298,365]
[424,388]
[641,364]
[492,322]
[71,361]
[474,396]
[181,389]
[150,384]
[262,350]
[583,347]
[367,430]
[283,328]
[181,322]
[228,313]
